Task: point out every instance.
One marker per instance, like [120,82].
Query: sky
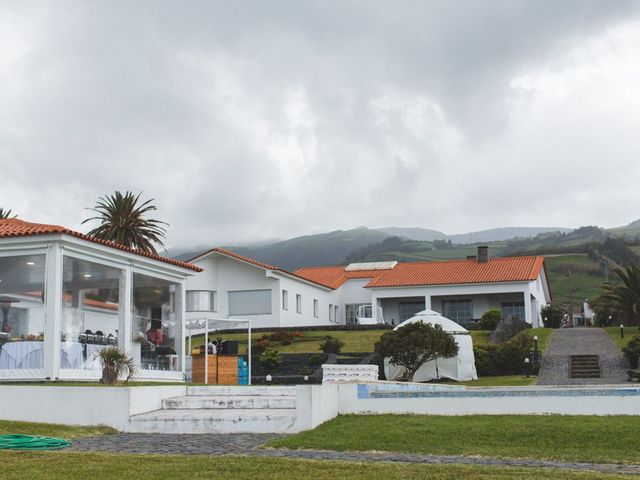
[254,120]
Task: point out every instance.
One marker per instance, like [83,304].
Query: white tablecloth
[93,362]
[24,355]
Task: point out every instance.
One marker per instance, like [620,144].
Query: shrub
[115,364]
[415,344]
[283,337]
[490,319]
[507,329]
[504,359]
[632,351]
[331,345]
[270,359]
[317,359]
[552,316]
[260,345]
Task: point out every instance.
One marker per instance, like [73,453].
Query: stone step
[240,390]
[584,366]
[230,402]
[213,421]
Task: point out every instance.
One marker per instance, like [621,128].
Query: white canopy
[461,367]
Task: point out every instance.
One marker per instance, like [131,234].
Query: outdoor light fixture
[86,275]
[622,330]
[31,264]
[268,378]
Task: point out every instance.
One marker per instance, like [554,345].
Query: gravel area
[581,341]
[249,445]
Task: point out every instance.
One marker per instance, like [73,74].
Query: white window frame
[214,300]
[315,308]
[285,299]
[336,314]
[298,303]
[331,312]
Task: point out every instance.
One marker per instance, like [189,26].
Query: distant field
[573,278]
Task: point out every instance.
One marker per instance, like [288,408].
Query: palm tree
[625,296]
[4,214]
[122,220]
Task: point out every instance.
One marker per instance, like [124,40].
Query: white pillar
[427,302]
[179,303]
[126,311]
[527,308]
[53,307]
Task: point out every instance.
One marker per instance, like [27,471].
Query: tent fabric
[462,367]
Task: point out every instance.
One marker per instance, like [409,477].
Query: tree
[415,344]
[552,315]
[490,319]
[623,297]
[5,214]
[122,220]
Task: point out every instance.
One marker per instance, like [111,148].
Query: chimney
[483,254]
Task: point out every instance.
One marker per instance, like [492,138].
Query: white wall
[290,317]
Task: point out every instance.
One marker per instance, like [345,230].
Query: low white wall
[315,404]
[593,400]
[109,406]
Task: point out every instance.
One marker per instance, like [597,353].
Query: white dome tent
[461,367]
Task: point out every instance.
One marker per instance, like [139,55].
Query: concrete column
[427,302]
[527,308]
[126,310]
[179,306]
[53,308]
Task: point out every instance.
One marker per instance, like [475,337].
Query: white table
[30,355]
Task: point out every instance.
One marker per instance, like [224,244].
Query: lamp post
[546,322]
[622,330]
[527,367]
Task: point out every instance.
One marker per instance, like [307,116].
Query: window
[315,307]
[330,313]
[336,316]
[201,301]
[298,303]
[285,300]
[409,309]
[460,311]
[250,302]
[351,312]
[513,310]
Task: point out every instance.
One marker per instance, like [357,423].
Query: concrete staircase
[222,409]
[584,366]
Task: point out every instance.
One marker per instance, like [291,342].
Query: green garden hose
[30,442]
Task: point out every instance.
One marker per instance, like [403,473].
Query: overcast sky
[269,119]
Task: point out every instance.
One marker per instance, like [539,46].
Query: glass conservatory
[64,297]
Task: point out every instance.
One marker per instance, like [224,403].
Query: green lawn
[83,466]
[614,334]
[52,430]
[572,438]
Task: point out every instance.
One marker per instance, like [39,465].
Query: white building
[65,296]
[462,290]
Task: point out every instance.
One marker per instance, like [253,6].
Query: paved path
[581,341]
[249,445]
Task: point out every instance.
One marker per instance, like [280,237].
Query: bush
[554,315]
[632,351]
[490,319]
[270,359]
[317,359]
[115,364]
[504,359]
[331,345]
[283,337]
[507,329]
[259,346]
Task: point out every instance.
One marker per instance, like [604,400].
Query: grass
[614,334]
[500,381]
[554,437]
[67,432]
[83,466]
[585,280]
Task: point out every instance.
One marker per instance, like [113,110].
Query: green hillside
[573,278]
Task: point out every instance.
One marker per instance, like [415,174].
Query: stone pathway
[581,341]
[249,445]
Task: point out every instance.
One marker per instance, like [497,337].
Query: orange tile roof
[13,227]
[449,272]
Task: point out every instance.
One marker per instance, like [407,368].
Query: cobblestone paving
[581,341]
[249,445]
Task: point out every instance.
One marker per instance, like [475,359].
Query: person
[213,348]
[155,336]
